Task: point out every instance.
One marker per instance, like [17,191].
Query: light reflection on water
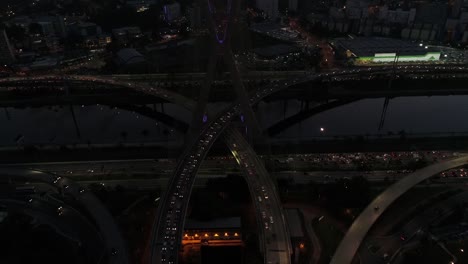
[412,114]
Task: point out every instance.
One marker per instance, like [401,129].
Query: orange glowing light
[225,234]
[235,234]
[301,245]
[186,235]
[206,235]
[196,235]
[216,235]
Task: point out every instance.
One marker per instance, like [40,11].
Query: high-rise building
[195,15]
[171,11]
[270,7]
[6,52]
[292,5]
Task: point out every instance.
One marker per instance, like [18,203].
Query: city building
[270,7]
[275,51]
[125,35]
[217,229]
[140,5]
[292,5]
[195,16]
[171,12]
[274,30]
[380,50]
[130,60]
[6,52]
[86,29]
[52,25]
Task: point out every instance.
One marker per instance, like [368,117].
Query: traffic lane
[206,139]
[331,176]
[358,230]
[275,244]
[93,168]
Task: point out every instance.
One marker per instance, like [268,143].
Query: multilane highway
[169,222]
[275,238]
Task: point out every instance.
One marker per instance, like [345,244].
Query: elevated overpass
[115,247]
[363,223]
[173,207]
[343,87]
[171,214]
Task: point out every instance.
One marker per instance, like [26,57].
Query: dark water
[97,124]
[414,115]
[101,124]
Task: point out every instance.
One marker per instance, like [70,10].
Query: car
[403,237]
[60,210]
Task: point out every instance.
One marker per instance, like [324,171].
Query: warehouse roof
[276,50]
[129,56]
[366,47]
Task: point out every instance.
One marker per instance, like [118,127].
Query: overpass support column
[77,128]
[67,92]
[285,108]
[7,114]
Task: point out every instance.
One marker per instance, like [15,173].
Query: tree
[35,28]
[15,32]
[145,132]
[402,134]
[354,192]
[124,135]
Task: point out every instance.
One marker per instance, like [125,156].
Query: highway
[13,83]
[358,230]
[169,222]
[275,235]
[301,78]
[115,246]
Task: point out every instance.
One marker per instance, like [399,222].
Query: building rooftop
[129,56]
[276,50]
[369,46]
[218,223]
[294,223]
